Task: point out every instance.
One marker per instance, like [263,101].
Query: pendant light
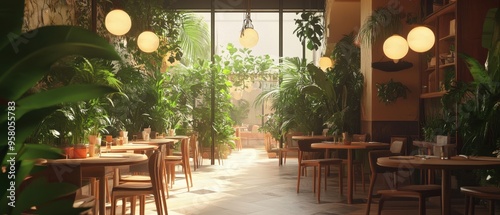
[118,22]
[148,41]
[421,39]
[248,36]
[395,47]
[325,63]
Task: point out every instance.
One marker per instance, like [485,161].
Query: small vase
[171,132]
[346,138]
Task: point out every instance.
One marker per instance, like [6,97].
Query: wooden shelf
[449,8]
[432,95]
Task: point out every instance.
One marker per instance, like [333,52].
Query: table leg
[445,192]
[102,196]
[349,176]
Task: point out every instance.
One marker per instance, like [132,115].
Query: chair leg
[472,206]
[380,205]
[284,157]
[421,206]
[142,204]
[298,178]
[467,205]
[184,167]
[492,207]
[132,205]
[113,206]
[363,177]
[370,192]
[314,180]
[318,176]
[124,204]
[341,178]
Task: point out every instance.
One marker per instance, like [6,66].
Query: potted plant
[390,91]
[310,29]
[478,112]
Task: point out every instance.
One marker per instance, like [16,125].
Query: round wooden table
[445,166]
[96,167]
[132,147]
[350,148]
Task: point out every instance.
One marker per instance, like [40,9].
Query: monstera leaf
[26,58]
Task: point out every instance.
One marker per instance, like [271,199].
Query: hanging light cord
[247,22]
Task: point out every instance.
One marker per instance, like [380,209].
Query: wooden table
[158,142]
[350,148]
[132,147]
[315,137]
[444,165]
[96,167]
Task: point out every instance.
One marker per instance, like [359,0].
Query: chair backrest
[158,179]
[193,143]
[359,137]
[185,149]
[396,147]
[404,145]
[289,143]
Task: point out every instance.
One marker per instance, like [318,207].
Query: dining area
[217,187]
[116,171]
[432,170]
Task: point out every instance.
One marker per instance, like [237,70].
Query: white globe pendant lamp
[395,47]
[325,63]
[148,41]
[248,36]
[421,39]
[118,22]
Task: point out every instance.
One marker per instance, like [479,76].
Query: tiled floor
[250,183]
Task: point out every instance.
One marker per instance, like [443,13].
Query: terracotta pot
[68,151]
[80,152]
[346,138]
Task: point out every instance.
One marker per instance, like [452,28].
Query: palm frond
[383,23]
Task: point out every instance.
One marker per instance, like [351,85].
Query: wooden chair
[155,186]
[489,193]
[318,165]
[237,139]
[194,151]
[289,145]
[183,160]
[421,192]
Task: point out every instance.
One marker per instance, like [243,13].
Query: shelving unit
[457,26]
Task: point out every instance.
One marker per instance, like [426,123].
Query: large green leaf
[11,13]
[71,93]
[39,192]
[25,127]
[22,66]
[490,33]
[477,70]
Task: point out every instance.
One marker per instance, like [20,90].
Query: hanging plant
[389,92]
[310,27]
[383,23]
